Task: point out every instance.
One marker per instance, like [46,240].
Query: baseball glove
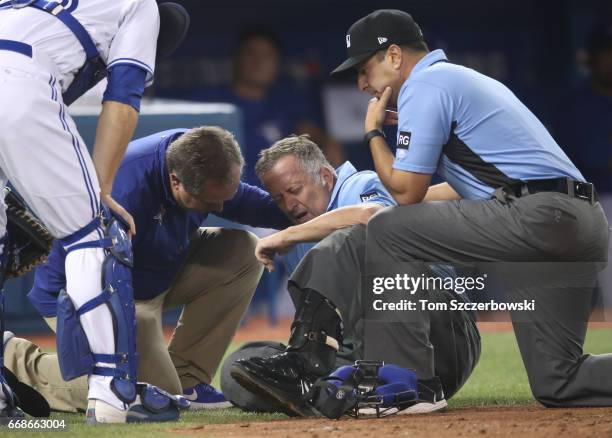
[29,241]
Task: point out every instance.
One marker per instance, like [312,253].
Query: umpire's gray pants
[334,269]
[544,227]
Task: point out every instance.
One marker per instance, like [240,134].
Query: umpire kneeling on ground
[169,182]
[332,207]
[512,204]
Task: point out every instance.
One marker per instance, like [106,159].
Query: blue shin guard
[74,353]
[76,358]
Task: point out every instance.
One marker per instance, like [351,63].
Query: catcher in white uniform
[51,52]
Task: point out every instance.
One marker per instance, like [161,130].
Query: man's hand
[269,246]
[115,129]
[377,115]
[120,211]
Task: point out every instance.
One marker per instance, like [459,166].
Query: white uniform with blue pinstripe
[41,151]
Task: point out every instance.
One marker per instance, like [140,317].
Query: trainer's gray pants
[546,247]
[334,269]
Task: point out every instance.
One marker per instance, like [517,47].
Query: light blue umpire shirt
[471,130]
[351,188]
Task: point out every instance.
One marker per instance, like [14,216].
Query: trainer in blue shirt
[169,182]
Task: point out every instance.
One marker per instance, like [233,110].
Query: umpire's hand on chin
[377,116]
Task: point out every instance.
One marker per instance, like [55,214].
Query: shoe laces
[207,388]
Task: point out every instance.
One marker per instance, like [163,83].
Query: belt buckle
[583,190]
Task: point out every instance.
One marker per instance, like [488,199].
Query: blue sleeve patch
[126,84]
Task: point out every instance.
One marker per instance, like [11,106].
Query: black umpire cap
[374,32]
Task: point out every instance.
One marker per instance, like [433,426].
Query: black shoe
[27,398]
[280,379]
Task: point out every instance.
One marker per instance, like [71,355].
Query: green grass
[499,379]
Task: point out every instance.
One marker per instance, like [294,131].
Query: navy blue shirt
[471,130]
[162,227]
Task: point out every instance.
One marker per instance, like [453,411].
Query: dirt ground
[490,421]
[523,421]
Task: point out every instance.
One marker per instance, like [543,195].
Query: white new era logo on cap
[348,41]
[382,40]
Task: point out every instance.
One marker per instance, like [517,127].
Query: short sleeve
[376,193]
[365,187]
[425,116]
[136,39]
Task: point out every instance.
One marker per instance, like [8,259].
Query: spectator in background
[270,107]
[583,125]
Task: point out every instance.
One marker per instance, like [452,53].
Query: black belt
[568,186]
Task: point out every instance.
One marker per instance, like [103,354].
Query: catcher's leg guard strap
[117,295]
[316,332]
[157,400]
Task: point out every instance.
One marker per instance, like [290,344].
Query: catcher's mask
[366,388]
[174,23]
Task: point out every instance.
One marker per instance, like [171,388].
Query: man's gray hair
[206,152]
[309,156]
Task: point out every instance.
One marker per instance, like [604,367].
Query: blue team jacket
[162,227]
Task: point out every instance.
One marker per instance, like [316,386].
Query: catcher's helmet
[174,23]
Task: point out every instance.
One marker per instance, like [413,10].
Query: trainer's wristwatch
[371,134]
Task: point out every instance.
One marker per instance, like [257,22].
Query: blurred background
[267,63]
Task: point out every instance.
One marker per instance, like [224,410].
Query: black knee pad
[232,390]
